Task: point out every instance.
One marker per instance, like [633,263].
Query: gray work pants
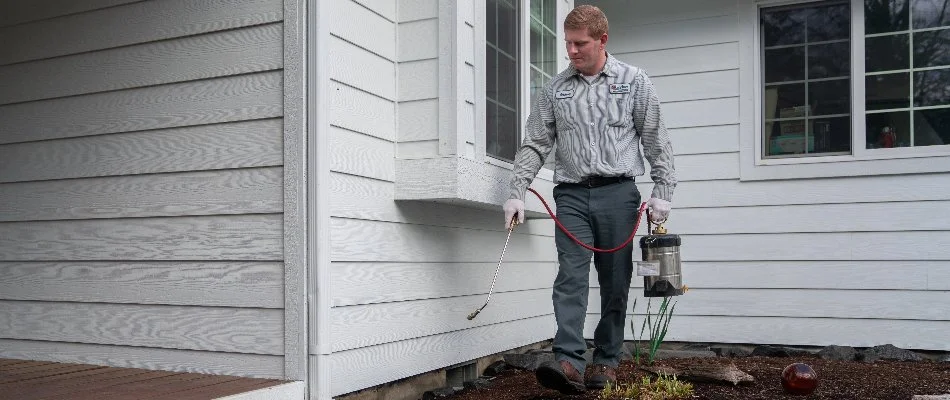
[602,217]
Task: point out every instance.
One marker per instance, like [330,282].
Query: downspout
[318,170]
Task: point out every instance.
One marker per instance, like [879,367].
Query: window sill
[872,162]
[466,182]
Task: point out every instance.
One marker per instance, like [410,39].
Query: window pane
[549,12]
[885,16]
[537,82]
[829,60]
[491,26]
[830,135]
[886,130]
[785,101]
[507,29]
[537,48]
[886,53]
[887,91]
[492,145]
[491,74]
[507,81]
[536,9]
[932,127]
[931,88]
[932,48]
[930,13]
[785,64]
[830,22]
[507,133]
[783,27]
[830,97]
[787,137]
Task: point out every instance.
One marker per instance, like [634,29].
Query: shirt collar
[609,67]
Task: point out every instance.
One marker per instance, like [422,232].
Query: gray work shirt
[598,127]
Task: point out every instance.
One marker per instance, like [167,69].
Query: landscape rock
[439,393]
[479,383]
[888,352]
[778,351]
[730,351]
[838,353]
[528,361]
[495,368]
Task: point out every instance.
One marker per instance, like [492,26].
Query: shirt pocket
[618,111]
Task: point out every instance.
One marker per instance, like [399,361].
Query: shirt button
[591,144]
[591,124]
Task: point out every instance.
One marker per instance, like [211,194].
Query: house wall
[404,275]
[858,261]
[142,184]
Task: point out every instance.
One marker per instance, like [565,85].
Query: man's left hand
[659,209]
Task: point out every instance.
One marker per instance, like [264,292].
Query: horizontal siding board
[362,155]
[799,303]
[361,26]
[174,105]
[355,240]
[418,40]
[845,275]
[224,284]
[18,11]
[356,110]
[665,62]
[368,325]
[620,13]
[205,362]
[705,139]
[734,193]
[385,8]
[685,114]
[245,237]
[419,121]
[418,80]
[139,22]
[250,331]
[359,368]
[239,51]
[843,217]
[257,143]
[800,331]
[385,282]
[701,167]
[363,70]
[412,10]
[668,35]
[242,191]
[698,86]
[841,246]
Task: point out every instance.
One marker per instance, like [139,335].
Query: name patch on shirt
[564,94]
[619,88]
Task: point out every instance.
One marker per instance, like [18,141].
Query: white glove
[659,209]
[513,207]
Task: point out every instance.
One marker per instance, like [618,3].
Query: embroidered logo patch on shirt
[564,94]
[619,88]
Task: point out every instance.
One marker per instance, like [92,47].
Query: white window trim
[862,161]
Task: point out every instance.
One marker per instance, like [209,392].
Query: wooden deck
[34,380]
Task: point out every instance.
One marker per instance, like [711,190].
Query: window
[817,100]
[505,94]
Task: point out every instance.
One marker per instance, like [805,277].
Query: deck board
[40,380]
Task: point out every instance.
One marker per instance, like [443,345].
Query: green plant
[657,331]
[663,388]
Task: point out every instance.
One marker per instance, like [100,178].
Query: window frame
[524,79]
[861,161]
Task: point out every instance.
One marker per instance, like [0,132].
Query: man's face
[584,50]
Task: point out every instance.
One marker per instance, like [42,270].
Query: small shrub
[663,388]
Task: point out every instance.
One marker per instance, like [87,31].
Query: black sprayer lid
[654,241]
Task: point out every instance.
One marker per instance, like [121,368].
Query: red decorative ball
[799,379]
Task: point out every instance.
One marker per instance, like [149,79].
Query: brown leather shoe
[560,376]
[598,375]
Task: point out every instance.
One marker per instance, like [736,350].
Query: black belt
[598,181]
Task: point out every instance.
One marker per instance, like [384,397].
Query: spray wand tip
[472,315]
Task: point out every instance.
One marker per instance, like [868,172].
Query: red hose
[576,240]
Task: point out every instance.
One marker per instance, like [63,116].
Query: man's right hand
[513,207]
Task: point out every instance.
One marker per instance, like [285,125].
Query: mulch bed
[837,380]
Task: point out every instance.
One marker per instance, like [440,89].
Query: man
[598,111]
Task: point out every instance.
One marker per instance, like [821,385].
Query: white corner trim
[289,391]
[861,163]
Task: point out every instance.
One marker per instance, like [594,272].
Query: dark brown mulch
[837,380]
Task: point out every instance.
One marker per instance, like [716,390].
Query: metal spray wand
[514,221]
